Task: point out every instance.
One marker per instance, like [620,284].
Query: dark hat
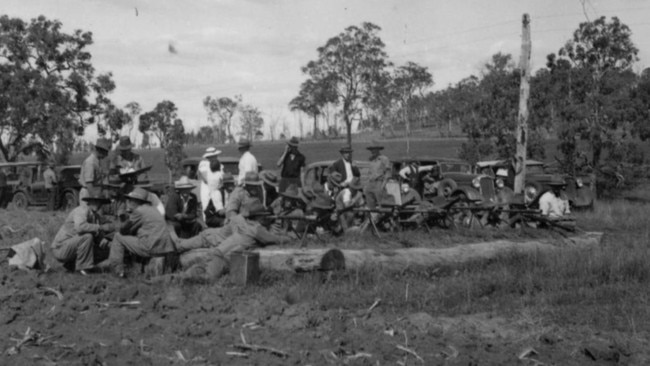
[228,178]
[184,183]
[292,192]
[244,143]
[252,179]
[323,202]
[346,149]
[293,142]
[130,172]
[139,194]
[254,208]
[269,178]
[356,184]
[103,143]
[375,146]
[125,143]
[556,181]
[98,199]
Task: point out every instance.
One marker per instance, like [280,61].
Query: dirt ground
[58,318]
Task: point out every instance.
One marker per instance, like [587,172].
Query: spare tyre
[446,187]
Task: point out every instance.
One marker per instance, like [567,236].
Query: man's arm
[284,155]
[131,226]
[172,207]
[81,224]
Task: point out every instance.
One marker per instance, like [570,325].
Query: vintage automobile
[579,190]
[27,185]
[450,178]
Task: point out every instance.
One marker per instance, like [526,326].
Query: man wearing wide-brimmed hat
[554,202]
[270,184]
[125,159]
[211,176]
[240,196]
[291,164]
[346,201]
[247,162]
[333,184]
[144,234]
[75,241]
[181,209]
[379,173]
[92,175]
[345,167]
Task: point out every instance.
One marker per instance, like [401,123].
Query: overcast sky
[256,48]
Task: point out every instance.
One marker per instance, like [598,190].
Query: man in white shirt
[247,162]
[554,203]
[211,177]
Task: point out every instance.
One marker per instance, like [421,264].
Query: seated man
[241,196]
[182,208]
[554,203]
[144,234]
[347,200]
[75,242]
[216,217]
[290,203]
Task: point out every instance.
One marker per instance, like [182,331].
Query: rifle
[294,217]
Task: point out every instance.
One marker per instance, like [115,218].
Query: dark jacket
[339,166]
[175,205]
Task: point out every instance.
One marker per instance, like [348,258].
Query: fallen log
[399,259]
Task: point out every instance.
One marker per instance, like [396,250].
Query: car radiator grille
[487,188]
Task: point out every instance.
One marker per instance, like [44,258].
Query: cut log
[399,259]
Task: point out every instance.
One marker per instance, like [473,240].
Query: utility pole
[522,117]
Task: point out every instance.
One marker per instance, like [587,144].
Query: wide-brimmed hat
[335,178]
[130,172]
[346,149]
[228,178]
[184,183]
[210,152]
[139,194]
[254,208]
[356,184]
[293,142]
[103,144]
[375,146]
[322,202]
[269,178]
[98,199]
[252,179]
[125,143]
[292,192]
[243,143]
[557,181]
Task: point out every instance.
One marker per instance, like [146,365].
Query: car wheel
[446,187]
[20,201]
[531,191]
[70,200]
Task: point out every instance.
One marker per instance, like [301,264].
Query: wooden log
[399,259]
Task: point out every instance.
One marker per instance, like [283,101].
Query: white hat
[211,151]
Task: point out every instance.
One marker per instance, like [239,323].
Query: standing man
[144,234]
[291,164]
[247,162]
[5,193]
[211,178]
[380,172]
[49,176]
[75,241]
[126,159]
[345,167]
[92,174]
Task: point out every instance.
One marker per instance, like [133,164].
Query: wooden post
[522,118]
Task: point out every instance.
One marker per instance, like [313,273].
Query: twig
[118,304]
[53,291]
[237,354]
[411,352]
[374,305]
[453,354]
[253,347]
[358,355]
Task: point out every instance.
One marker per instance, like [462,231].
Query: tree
[163,123]
[347,64]
[49,92]
[408,80]
[251,122]
[111,122]
[596,64]
[225,109]
[313,96]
